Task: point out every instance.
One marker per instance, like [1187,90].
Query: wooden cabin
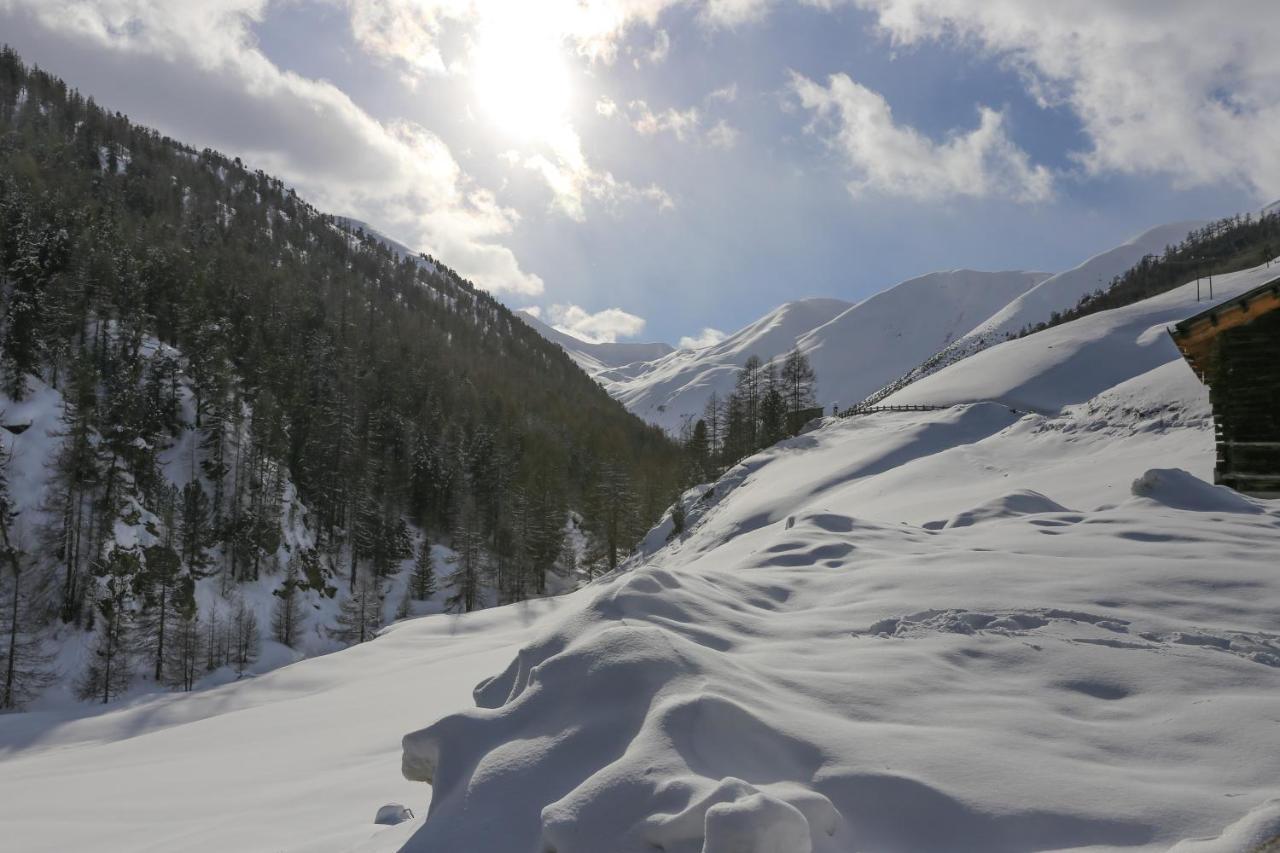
[1234,347]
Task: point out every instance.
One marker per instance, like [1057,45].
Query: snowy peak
[677,386]
[598,358]
[777,332]
[880,338]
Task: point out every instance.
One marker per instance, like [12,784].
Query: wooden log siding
[1235,349]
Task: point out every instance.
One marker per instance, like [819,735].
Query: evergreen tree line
[769,402]
[235,367]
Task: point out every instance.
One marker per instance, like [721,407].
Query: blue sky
[651,169]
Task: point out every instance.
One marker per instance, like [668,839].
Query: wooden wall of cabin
[1244,387]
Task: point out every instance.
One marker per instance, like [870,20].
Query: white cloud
[722,135]
[728,94]
[661,47]
[894,159]
[685,125]
[729,13]
[1179,87]
[606,107]
[706,338]
[680,123]
[534,311]
[601,327]
[573,180]
[220,90]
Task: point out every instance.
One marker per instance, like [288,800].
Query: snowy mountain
[677,386]
[878,339]
[1064,290]
[974,629]
[599,358]
[854,348]
[1054,294]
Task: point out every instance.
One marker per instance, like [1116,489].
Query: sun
[521,80]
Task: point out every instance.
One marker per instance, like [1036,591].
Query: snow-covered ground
[975,629]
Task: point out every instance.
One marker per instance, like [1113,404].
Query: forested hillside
[249,393]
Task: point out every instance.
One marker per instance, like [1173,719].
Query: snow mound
[1256,832]
[1179,489]
[1013,505]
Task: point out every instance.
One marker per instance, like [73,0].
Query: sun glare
[521,81]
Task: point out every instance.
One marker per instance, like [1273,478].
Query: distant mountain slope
[854,348]
[1040,303]
[678,385]
[596,358]
[1075,361]
[1065,289]
[878,339]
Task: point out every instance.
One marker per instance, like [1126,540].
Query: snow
[974,629]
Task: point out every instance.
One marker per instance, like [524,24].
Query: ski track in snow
[957,630]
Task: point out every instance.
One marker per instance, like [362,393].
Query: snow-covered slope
[1072,362]
[1066,289]
[965,630]
[1054,294]
[880,339]
[598,358]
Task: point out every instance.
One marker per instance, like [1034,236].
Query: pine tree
[797,385]
[185,649]
[160,599]
[422,583]
[194,531]
[714,417]
[360,615]
[699,450]
[467,580]
[748,390]
[24,666]
[246,641]
[773,417]
[211,627]
[287,617]
[610,517]
[110,671]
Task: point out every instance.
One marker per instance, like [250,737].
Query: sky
[673,169]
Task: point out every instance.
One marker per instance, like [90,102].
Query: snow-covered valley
[981,628]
